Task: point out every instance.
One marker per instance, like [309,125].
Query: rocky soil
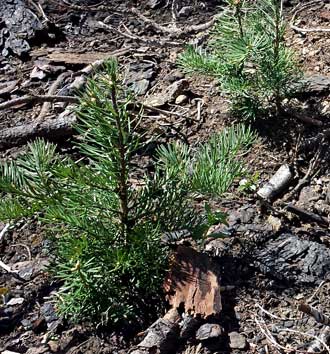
[273,258]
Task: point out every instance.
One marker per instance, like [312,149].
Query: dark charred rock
[290,259]
[188,326]
[139,77]
[19,25]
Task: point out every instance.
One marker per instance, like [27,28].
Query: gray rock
[26,324]
[139,77]
[168,95]
[307,196]
[141,87]
[161,335]
[209,331]
[237,341]
[48,312]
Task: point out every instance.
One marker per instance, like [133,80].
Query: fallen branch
[307,214]
[4,230]
[305,30]
[52,129]
[300,9]
[37,99]
[309,120]
[276,184]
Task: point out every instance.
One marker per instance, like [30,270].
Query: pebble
[209,331]
[237,341]
[186,11]
[181,99]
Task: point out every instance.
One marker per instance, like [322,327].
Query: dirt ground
[261,304]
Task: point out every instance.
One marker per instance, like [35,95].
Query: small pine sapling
[248,55]
[106,230]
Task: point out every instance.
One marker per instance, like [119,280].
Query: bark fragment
[194,283]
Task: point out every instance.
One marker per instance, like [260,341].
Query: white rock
[15,301]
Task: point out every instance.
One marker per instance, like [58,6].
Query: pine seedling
[211,168]
[109,258]
[248,55]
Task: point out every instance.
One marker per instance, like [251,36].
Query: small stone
[26,324]
[37,74]
[185,11]
[174,76]
[48,312]
[237,341]
[15,301]
[317,84]
[181,99]
[209,331]
[141,87]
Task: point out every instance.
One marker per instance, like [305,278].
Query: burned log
[293,260]
[162,336]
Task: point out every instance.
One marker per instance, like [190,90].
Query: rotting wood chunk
[194,283]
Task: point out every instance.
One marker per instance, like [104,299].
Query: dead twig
[26,247]
[307,335]
[158,110]
[37,99]
[265,331]
[307,215]
[4,230]
[300,9]
[173,30]
[312,170]
[317,290]
[315,346]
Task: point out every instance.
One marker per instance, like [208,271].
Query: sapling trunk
[277,43]
[122,182]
